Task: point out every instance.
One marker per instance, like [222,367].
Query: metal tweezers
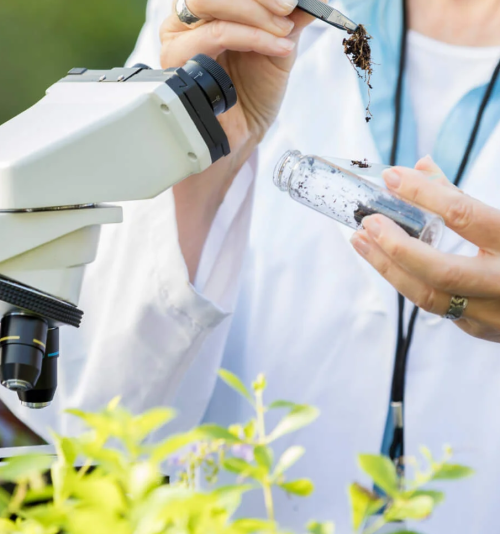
[328,14]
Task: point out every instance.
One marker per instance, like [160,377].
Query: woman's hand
[254,40]
[426,276]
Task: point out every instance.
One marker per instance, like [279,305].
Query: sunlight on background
[40,40]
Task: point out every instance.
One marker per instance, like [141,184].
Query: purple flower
[245,452]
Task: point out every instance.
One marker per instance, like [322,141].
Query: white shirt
[440,75]
[285,295]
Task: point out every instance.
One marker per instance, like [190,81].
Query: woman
[311,314]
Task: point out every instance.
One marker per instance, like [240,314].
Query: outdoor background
[40,40]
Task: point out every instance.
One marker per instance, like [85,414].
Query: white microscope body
[96,137]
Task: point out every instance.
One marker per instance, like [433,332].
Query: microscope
[98,136]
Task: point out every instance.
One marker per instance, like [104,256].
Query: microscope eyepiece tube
[214,82]
[23,341]
[43,393]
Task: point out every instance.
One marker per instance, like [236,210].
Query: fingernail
[392,179]
[285,44]
[360,245]
[284,24]
[289,5]
[372,226]
[428,158]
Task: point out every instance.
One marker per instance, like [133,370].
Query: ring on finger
[185,15]
[458,305]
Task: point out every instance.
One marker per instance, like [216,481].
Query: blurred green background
[40,40]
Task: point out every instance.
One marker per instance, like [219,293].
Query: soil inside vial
[358,51]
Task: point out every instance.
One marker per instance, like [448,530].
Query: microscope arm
[96,137]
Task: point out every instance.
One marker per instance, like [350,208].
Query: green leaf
[254,525]
[381,470]
[276,405]
[452,472]
[436,496]
[364,504]
[173,444]
[260,384]
[234,382]
[100,491]
[5,498]
[264,457]
[230,496]
[65,449]
[287,459]
[320,528]
[426,453]
[302,487]
[20,468]
[297,418]
[113,403]
[237,465]
[215,432]
[250,428]
[144,424]
[417,508]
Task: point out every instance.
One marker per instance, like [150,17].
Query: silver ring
[185,15]
[458,305]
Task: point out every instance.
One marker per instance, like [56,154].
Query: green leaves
[215,432]
[19,468]
[452,472]
[416,508]
[298,417]
[381,470]
[264,457]
[302,487]
[173,444]
[125,493]
[234,382]
[320,528]
[287,459]
[364,504]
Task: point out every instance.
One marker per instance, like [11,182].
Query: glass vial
[342,195]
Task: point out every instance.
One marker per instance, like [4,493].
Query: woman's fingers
[481,317]
[466,216]
[423,295]
[214,38]
[452,274]
[266,15]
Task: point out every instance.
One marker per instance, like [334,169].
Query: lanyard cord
[404,342]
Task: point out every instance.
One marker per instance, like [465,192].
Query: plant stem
[268,499]
[261,433]
[261,427]
[85,467]
[376,526]
[18,497]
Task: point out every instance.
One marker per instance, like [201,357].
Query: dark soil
[360,164]
[358,51]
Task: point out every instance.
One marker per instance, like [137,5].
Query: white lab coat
[309,312]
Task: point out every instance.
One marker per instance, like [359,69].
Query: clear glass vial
[345,196]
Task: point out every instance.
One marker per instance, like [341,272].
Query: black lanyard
[404,342]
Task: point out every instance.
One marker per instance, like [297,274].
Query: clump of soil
[361,164]
[358,51]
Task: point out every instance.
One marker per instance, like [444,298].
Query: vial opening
[284,169]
